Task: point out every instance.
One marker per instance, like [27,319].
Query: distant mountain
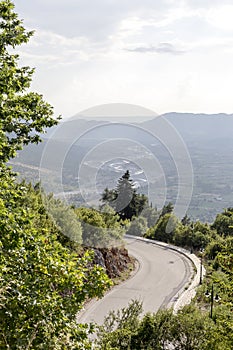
[202,126]
[68,129]
[190,126]
[208,137]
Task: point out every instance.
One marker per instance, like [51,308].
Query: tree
[42,283]
[153,331]
[189,329]
[118,326]
[164,230]
[224,223]
[64,218]
[214,247]
[93,227]
[125,193]
[167,209]
[151,215]
[138,226]
[100,229]
[108,196]
[124,199]
[115,226]
[186,220]
[184,236]
[23,115]
[194,236]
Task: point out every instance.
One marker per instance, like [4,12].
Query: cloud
[83,52]
[46,47]
[221,17]
[95,20]
[160,48]
[207,4]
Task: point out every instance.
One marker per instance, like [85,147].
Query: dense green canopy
[43,283]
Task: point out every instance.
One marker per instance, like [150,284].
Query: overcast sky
[170,55]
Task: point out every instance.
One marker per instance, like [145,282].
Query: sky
[170,55]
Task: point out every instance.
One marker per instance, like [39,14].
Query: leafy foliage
[151,215]
[193,235]
[191,328]
[167,209]
[100,229]
[224,223]
[137,227]
[43,283]
[115,333]
[64,218]
[188,329]
[164,229]
[23,115]
[182,233]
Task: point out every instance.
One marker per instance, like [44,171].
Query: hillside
[207,138]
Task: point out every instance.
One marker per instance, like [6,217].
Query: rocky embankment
[114,260]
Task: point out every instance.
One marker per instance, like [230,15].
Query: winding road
[161,274]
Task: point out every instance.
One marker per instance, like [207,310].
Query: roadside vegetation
[189,329]
[207,323]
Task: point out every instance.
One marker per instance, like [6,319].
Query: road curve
[161,274]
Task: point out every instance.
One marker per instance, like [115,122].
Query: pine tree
[125,199]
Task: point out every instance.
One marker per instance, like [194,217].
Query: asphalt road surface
[161,274]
